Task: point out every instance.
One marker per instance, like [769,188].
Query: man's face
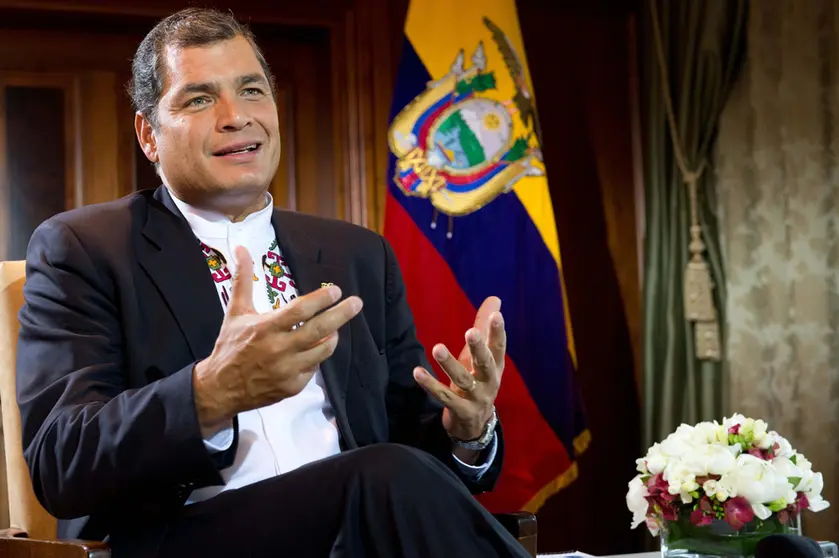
[217,138]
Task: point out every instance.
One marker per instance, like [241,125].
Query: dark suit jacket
[119,305]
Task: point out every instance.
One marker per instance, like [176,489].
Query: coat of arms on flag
[457,145]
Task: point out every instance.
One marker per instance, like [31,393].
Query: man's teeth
[243,150]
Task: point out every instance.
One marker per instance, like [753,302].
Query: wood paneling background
[335,62]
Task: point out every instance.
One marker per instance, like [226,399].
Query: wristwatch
[482,442]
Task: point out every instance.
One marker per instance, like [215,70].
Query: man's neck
[237,215]
[236,207]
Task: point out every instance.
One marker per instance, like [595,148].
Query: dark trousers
[384,501]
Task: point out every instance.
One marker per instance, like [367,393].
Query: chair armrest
[522,525]
[15,544]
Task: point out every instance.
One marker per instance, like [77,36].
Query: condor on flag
[469,215]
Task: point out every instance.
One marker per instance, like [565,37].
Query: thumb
[241,299]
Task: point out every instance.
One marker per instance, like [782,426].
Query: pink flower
[734,429]
[802,503]
[783,517]
[703,514]
[738,512]
[669,512]
[700,518]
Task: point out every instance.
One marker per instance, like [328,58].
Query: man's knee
[396,463]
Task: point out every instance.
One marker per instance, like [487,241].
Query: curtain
[778,186]
[702,43]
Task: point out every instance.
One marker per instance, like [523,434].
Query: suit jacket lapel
[310,272]
[171,255]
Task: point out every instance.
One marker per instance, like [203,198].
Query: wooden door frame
[69,84]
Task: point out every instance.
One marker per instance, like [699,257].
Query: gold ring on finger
[472,387]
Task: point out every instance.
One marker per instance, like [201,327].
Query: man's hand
[475,375]
[259,359]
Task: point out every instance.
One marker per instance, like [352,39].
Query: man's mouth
[238,149]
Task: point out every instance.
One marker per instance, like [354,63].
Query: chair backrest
[25,512]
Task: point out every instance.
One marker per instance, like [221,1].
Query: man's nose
[231,115]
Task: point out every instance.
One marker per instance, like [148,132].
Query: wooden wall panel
[98,132]
[310,12]
[284,185]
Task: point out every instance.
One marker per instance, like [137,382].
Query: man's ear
[146,137]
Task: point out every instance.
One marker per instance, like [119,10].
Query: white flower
[710,460]
[636,501]
[786,468]
[762,438]
[814,493]
[733,420]
[681,480]
[715,490]
[709,433]
[784,447]
[676,446]
[758,482]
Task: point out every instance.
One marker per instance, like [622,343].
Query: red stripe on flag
[534,457]
[422,137]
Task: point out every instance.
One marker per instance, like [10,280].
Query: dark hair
[190,27]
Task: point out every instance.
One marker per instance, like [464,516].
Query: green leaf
[794,459]
[777,505]
[695,494]
[794,481]
[645,478]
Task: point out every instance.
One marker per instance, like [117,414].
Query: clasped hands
[259,359]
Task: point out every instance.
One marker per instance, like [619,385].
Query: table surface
[641,555]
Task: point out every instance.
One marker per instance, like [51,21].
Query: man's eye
[250,91]
[197,101]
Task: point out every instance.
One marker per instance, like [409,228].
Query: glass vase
[682,539]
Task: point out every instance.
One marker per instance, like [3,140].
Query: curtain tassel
[699,301]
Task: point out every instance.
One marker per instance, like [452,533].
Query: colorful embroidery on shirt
[218,268]
[217,264]
[279,284]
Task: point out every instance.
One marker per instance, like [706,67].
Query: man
[200,374]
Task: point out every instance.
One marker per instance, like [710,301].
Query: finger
[303,308]
[440,392]
[483,363]
[327,323]
[309,359]
[460,376]
[241,297]
[490,305]
[498,341]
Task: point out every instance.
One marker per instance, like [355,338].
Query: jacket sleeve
[415,418]
[88,439]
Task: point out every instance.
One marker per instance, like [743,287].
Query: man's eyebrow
[199,87]
[250,79]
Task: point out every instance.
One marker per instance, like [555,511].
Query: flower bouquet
[717,489]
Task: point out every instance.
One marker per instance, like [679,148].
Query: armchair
[33,531]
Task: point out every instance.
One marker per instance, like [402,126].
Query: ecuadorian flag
[469,215]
